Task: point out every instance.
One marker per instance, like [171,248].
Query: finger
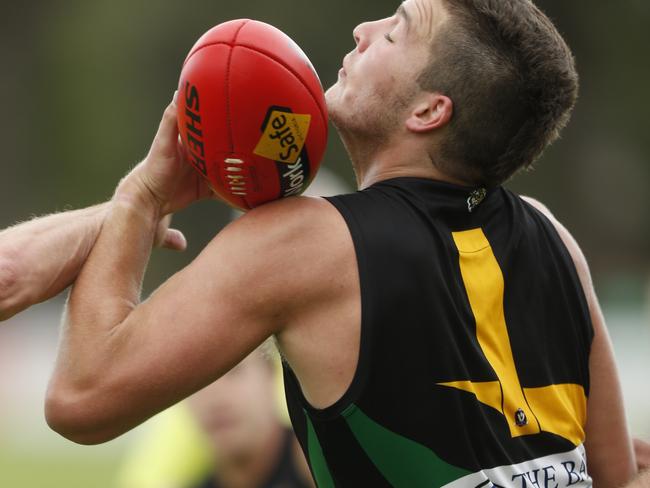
[642,450]
[165,143]
[174,240]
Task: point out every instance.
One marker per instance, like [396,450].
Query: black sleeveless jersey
[475,340]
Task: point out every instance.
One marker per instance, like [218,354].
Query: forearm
[108,287]
[40,258]
[103,296]
[113,352]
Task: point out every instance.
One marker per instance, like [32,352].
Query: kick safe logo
[284,135]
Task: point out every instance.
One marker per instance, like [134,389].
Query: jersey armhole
[553,231]
[359,378]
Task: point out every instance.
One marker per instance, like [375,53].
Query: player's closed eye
[388,37]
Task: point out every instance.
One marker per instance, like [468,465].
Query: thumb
[165,143]
[174,240]
[169,238]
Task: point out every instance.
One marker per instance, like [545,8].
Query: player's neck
[381,171]
[250,469]
[373,163]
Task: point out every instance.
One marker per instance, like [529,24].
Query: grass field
[52,470]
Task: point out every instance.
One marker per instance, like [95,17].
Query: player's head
[239,409]
[498,79]
[378,82]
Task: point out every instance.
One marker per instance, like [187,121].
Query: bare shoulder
[283,253]
[295,218]
[301,231]
[564,233]
[569,241]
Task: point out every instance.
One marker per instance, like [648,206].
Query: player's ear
[432,111]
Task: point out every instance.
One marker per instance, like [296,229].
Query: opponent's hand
[164,181]
[642,451]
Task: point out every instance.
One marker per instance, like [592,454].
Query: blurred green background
[83,84]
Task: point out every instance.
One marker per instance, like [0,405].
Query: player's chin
[333,100]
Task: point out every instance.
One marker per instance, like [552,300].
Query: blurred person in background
[252,447]
[432,387]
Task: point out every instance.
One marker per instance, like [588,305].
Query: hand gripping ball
[251,113]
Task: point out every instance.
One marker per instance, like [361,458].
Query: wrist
[136,196]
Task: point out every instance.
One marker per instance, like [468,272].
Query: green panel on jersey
[317,459]
[403,462]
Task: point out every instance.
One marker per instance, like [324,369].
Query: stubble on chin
[331,103]
[370,117]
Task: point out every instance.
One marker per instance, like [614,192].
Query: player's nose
[361,37]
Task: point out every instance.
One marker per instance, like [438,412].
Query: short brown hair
[512,80]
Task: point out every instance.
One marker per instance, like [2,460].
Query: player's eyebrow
[401,10]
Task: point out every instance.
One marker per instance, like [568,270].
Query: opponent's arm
[609,448]
[121,361]
[642,481]
[40,258]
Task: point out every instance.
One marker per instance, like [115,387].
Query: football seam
[231,138]
[228,107]
[299,78]
[271,57]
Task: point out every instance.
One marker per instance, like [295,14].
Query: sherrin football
[251,113]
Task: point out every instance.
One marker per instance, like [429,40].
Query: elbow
[77,417]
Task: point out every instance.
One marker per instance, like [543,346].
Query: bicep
[243,288]
[198,323]
[194,328]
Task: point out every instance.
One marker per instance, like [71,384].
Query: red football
[251,113]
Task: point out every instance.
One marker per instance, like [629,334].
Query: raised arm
[610,456]
[121,361]
[42,257]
